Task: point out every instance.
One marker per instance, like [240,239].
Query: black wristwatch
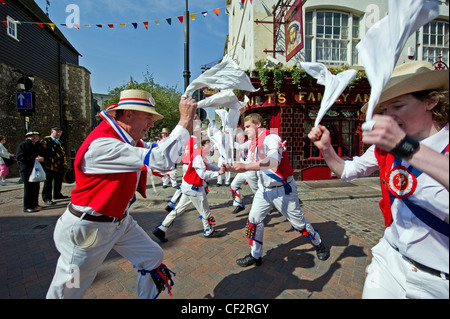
[406,147]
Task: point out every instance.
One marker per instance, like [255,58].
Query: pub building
[292,112]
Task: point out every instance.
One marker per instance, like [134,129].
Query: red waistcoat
[191,144]
[385,162]
[107,194]
[191,175]
[284,168]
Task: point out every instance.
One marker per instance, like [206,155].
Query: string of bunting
[112,25]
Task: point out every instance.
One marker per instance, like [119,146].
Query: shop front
[292,112]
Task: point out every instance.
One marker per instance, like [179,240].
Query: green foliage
[167,101]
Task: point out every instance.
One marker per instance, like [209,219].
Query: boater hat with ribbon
[412,77]
[137,100]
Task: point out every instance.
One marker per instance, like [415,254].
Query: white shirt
[407,233]
[110,155]
[205,172]
[3,153]
[272,148]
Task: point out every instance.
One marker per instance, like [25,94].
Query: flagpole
[186,73]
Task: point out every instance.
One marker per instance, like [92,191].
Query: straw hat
[137,100]
[412,77]
[165,130]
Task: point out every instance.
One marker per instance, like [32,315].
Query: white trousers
[170,177]
[289,205]
[199,202]
[391,276]
[84,245]
[251,178]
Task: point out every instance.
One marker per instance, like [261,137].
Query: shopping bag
[38,173]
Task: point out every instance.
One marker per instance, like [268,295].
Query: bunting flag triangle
[87,25]
[99,25]
[122,24]
[216,11]
[205,13]
[169,21]
[5,24]
[52,25]
[111,25]
[181,19]
[145,24]
[2,2]
[41,25]
[77,26]
[157,22]
[192,16]
[134,25]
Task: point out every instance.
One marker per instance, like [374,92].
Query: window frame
[12,25]
[311,37]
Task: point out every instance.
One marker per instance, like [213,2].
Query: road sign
[24,100]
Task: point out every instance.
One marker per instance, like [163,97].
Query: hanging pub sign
[293,30]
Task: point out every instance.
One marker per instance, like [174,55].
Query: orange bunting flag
[146,24]
[192,16]
[181,19]
[52,25]
[77,26]
[122,24]
[216,11]
[5,23]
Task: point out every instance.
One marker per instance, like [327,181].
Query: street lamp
[186,73]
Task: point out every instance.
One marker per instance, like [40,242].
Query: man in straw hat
[110,166]
[410,149]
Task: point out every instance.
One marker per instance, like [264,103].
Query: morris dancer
[250,177]
[409,135]
[171,175]
[193,189]
[110,166]
[276,188]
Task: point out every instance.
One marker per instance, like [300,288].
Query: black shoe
[49,202]
[238,209]
[61,197]
[168,208]
[322,252]
[30,210]
[158,233]
[219,185]
[248,261]
[164,186]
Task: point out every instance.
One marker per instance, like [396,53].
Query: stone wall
[74,118]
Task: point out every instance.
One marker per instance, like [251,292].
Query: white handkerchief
[334,84]
[225,98]
[380,49]
[225,75]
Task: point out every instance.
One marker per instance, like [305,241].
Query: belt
[92,218]
[427,269]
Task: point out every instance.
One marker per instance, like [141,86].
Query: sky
[113,55]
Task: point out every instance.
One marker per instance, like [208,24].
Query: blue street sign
[24,100]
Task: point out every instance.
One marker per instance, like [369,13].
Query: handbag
[38,173]
[8,161]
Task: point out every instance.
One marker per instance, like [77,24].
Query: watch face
[408,147]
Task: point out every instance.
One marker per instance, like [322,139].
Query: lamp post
[186,73]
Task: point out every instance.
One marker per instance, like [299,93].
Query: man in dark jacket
[52,149]
[26,153]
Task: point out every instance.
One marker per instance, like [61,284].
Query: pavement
[345,214]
